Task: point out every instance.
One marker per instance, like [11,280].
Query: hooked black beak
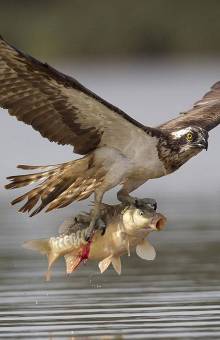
[203,144]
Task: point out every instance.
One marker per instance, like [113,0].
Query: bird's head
[181,145]
[191,137]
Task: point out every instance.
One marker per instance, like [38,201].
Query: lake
[177,296]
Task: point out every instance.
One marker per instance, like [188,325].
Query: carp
[126,228]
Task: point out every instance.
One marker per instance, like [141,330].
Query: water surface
[177,296]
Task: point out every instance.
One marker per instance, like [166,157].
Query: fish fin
[42,246]
[128,247]
[104,264]
[72,262]
[48,275]
[145,250]
[116,263]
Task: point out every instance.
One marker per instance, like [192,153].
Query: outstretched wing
[205,113]
[59,107]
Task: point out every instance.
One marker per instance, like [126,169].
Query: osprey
[116,149]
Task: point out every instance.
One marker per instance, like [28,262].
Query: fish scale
[68,241]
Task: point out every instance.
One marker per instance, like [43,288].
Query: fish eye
[189,136]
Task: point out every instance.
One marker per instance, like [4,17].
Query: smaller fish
[126,228]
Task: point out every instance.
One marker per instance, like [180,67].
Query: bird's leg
[95,222]
[125,198]
[82,219]
[100,225]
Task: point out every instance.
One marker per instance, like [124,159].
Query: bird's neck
[172,156]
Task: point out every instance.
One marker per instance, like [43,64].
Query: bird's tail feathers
[60,185]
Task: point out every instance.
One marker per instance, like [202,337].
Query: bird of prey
[116,149]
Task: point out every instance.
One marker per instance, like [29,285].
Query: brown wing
[205,113]
[59,107]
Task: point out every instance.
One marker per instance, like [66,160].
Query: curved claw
[154,206]
[127,200]
[97,224]
[100,225]
[88,234]
[144,202]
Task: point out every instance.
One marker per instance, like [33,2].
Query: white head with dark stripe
[179,145]
[191,137]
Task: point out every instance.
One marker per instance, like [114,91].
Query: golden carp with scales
[126,228]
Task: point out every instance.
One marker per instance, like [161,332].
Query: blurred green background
[112,29]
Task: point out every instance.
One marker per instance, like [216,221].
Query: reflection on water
[176,296]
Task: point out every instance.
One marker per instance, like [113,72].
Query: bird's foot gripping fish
[127,228]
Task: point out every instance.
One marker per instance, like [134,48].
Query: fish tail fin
[59,185]
[42,246]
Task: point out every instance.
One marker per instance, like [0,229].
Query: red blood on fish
[85,251]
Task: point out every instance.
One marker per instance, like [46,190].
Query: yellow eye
[189,136]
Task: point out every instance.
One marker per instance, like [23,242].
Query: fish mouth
[158,222]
